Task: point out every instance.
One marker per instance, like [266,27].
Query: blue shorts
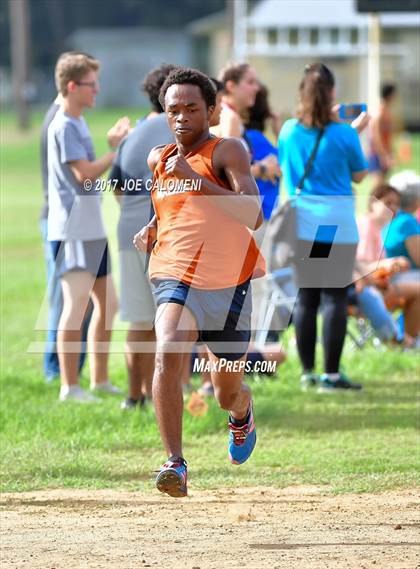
[223,316]
[92,256]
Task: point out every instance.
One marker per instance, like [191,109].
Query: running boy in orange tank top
[203,257]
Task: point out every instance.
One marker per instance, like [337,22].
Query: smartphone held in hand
[350,112]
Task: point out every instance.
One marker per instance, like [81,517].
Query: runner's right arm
[146,237]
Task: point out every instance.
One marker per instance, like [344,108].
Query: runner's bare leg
[230,391]
[176,329]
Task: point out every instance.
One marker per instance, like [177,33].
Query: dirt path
[249,528]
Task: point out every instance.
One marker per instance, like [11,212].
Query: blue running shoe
[172,477]
[242,439]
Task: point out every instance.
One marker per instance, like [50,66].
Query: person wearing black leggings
[334,311]
[320,157]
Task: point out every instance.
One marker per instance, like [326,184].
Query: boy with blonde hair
[76,230]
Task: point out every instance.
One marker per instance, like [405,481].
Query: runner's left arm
[231,157]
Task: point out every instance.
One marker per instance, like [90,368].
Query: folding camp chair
[279,299]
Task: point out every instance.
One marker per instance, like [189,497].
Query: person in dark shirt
[130,170]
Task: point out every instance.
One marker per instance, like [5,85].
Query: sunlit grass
[364,441]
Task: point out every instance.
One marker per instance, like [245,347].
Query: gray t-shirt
[74,213]
[130,169]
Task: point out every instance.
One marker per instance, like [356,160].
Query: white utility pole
[239,51]
[374,62]
[19,34]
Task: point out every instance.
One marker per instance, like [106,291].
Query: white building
[126,55]
[279,37]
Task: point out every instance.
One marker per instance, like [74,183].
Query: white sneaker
[76,393]
[106,387]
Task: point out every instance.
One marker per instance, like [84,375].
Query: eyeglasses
[91,84]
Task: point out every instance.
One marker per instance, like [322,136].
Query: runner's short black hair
[186,75]
[153,82]
[218,84]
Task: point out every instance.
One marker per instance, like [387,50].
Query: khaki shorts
[136,302]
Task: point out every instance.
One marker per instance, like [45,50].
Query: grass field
[350,442]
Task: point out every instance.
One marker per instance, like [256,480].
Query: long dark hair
[259,113]
[315,93]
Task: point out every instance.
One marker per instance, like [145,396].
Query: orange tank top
[198,242]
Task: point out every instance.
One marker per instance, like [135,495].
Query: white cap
[407,183]
[405,180]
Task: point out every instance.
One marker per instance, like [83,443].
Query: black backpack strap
[309,163]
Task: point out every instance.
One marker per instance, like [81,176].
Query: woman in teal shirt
[402,239]
[402,236]
[326,225]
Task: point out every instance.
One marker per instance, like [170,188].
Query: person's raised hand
[361,122]
[118,132]
[272,168]
[335,113]
[178,166]
[145,238]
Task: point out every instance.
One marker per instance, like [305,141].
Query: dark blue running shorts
[223,316]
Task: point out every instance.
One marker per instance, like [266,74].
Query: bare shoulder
[230,149]
[154,156]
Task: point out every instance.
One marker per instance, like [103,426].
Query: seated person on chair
[375,291]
